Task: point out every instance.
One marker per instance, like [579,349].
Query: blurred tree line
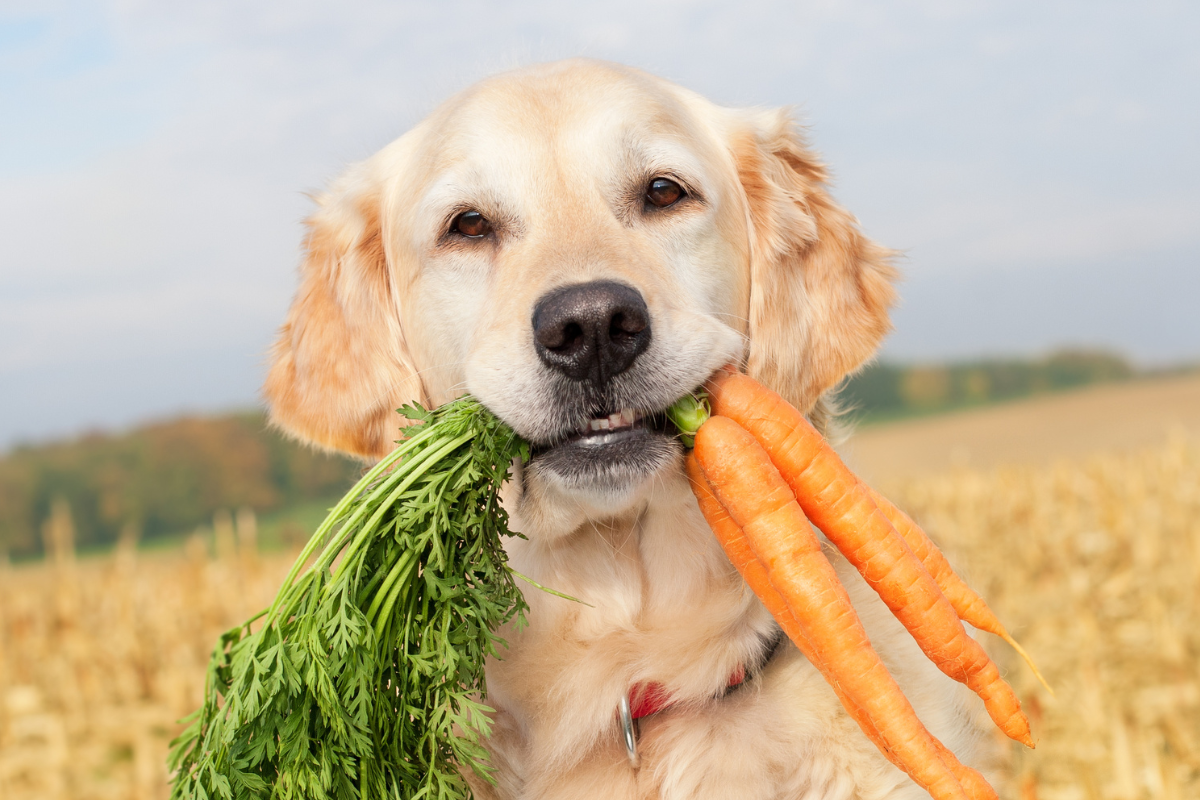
[884,391]
[168,478]
[163,478]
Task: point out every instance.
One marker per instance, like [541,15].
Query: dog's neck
[663,605]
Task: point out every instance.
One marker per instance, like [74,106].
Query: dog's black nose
[591,331]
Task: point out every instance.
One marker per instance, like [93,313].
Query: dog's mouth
[608,429]
[616,427]
[612,449]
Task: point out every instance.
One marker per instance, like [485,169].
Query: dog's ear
[340,367]
[819,290]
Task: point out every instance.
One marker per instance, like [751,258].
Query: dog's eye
[471,224]
[663,192]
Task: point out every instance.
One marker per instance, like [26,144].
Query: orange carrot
[969,606]
[759,502]
[841,506]
[743,558]
[973,782]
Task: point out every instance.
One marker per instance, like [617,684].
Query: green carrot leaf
[367,679]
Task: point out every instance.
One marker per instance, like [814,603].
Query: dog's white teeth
[625,418]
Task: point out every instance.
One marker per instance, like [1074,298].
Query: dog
[579,244]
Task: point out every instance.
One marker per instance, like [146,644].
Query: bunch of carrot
[761,472]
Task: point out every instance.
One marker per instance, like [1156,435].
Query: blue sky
[1036,162]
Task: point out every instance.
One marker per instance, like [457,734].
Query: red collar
[650,698]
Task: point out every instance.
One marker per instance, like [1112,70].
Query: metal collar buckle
[630,730]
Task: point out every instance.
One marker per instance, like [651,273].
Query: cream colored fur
[765,270]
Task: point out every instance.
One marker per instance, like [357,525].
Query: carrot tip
[1028,660]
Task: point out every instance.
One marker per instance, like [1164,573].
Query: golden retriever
[579,244]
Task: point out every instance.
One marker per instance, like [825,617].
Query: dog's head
[578,245]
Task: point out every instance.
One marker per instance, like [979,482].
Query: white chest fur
[665,605]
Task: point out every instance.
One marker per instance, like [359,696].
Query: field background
[1077,516]
[1076,513]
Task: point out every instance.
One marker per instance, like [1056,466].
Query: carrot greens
[365,677]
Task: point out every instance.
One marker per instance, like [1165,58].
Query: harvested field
[1093,563]
[100,657]
[1073,424]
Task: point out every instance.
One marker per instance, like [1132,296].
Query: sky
[1037,163]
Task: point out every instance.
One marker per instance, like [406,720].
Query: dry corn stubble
[1094,565]
[99,656]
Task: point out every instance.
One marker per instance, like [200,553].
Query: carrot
[973,782]
[743,558]
[842,507]
[969,606]
[759,502]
